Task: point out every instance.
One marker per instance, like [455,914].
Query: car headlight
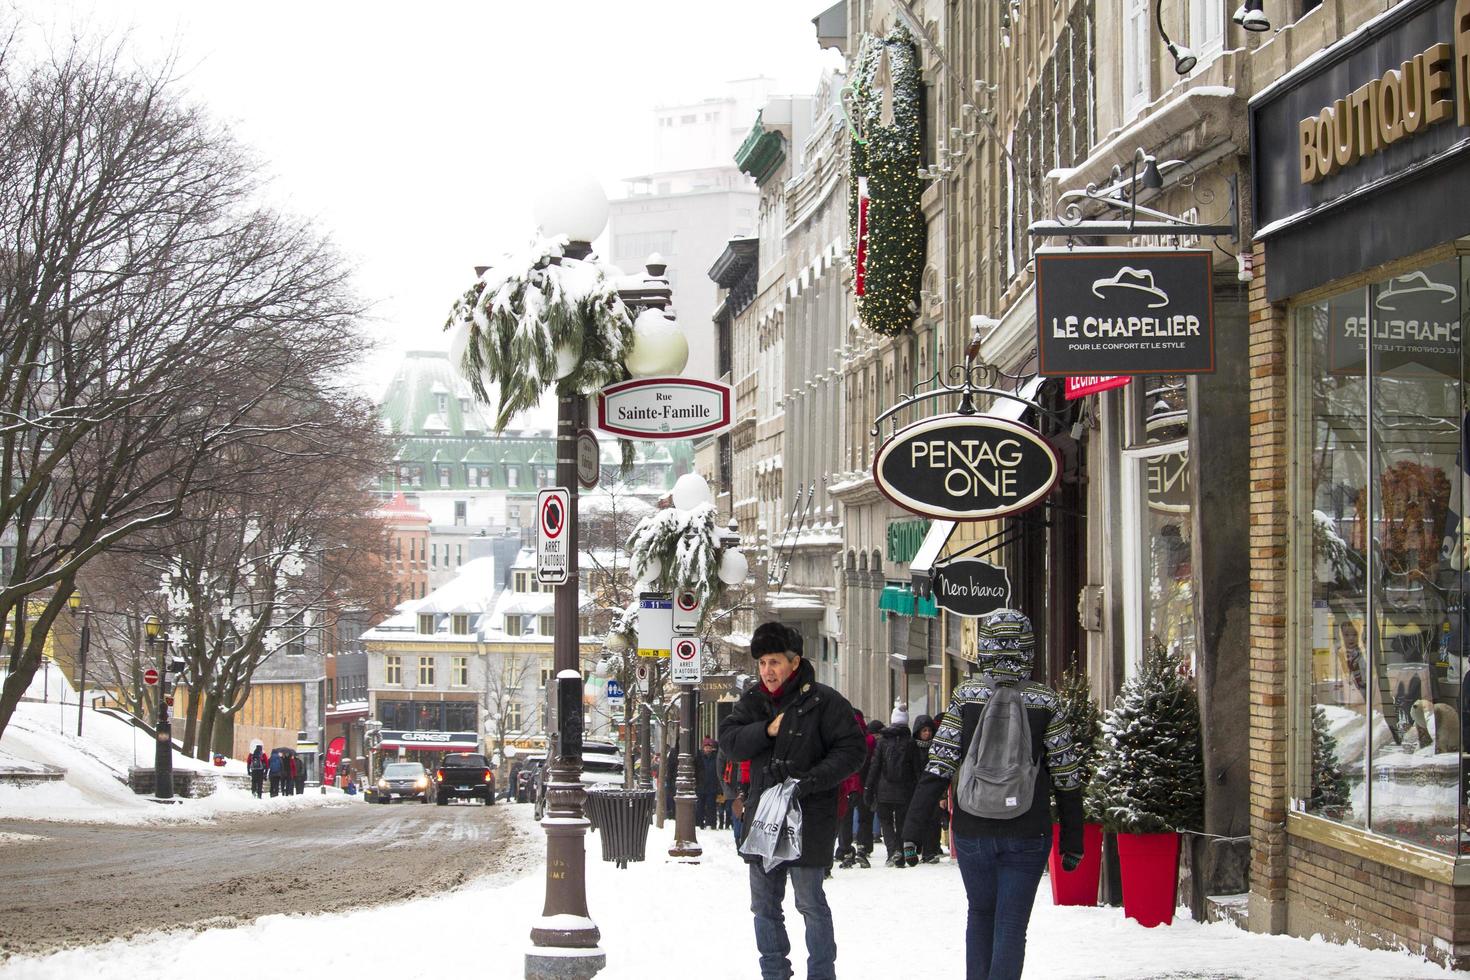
[382,784]
[421,783]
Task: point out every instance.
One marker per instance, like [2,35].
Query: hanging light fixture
[1252,17]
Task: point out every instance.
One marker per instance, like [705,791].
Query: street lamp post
[686,841]
[74,602]
[163,748]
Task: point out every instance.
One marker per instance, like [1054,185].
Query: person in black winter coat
[924,728]
[895,773]
[706,784]
[257,765]
[1001,860]
[790,726]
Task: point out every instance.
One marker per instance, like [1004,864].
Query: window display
[1379,472]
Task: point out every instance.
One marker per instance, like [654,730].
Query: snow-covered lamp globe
[616,643]
[734,566]
[690,491]
[660,348]
[571,205]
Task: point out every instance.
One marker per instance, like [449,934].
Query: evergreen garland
[1329,785]
[1150,773]
[1081,714]
[686,545]
[521,310]
[890,157]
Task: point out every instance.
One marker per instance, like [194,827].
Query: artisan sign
[966,467]
[664,408]
[971,587]
[1125,312]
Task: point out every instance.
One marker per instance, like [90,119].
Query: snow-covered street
[890,923]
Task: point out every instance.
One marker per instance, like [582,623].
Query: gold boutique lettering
[1404,102]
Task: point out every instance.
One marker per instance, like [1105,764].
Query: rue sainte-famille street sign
[1124,312]
[971,587]
[966,467]
[664,408]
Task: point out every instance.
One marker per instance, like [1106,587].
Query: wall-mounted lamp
[1250,16]
[1184,59]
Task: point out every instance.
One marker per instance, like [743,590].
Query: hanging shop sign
[655,624]
[1079,387]
[966,467]
[589,459]
[664,408]
[553,506]
[970,587]
[431,741]
[1413,321]
[1125,311]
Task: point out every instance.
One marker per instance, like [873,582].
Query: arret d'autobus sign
[664,408]
[966,467]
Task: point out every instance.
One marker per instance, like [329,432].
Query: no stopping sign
[686,661]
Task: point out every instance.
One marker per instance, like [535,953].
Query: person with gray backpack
[1005,747]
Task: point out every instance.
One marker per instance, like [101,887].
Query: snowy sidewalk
[890,924]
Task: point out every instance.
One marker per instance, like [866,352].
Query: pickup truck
[464,775]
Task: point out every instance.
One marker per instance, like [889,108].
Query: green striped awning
[900,599]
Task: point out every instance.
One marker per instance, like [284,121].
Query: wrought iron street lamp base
[544,963]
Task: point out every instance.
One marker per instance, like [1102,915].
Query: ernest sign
[971,587]
[1125,312]
[664,408]
[966,467]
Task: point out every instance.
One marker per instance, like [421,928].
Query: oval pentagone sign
[966,467]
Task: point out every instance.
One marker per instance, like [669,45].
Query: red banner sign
[334,756]
[860,263]
[1077,387]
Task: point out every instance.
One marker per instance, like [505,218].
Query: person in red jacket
[851,809]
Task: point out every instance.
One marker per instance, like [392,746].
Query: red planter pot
[1150,869]
[1077,887]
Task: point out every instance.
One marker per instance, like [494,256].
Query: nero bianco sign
[552,510]
[966,467]
[664,408]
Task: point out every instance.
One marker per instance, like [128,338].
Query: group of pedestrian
[1000,724]
[285,772]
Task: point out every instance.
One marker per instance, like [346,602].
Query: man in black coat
[789,726]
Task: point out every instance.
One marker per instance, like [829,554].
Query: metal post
[645,737]
[566,932]
[686,843]
[82,692]
[163,749]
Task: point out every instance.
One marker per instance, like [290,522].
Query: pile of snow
[890,923]
[95,790]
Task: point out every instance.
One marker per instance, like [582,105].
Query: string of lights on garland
[888,152]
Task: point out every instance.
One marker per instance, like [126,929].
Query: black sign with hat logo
[1124,312]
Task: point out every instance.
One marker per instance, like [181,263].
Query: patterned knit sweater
[1051,740]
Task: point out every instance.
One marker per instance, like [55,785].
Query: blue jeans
[1000,875]
[766,893]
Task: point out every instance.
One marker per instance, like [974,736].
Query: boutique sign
[966,467]
[971,587]
[1124,312]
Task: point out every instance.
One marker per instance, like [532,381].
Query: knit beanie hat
[900,715]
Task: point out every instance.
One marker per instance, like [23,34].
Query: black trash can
[621,818]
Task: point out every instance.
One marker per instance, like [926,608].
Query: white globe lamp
[616,643]
[572,205]
[459,342]
[566,361]
[690,491]
[733,567]
[660,348]
[651,571]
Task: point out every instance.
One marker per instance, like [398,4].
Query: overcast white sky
[416,134]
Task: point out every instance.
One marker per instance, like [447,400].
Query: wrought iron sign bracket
[966,380]
[1119,197]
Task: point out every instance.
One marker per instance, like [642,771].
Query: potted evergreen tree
[1149,784]
[1079,886]
[1330,796]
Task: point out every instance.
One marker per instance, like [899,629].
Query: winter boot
[861,857]
[848,860]
[895,860]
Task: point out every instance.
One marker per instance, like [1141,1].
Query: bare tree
[505,680]
[152,317]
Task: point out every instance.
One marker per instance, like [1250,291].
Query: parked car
[525,787]
[403,781]
[602,762]
[465,776]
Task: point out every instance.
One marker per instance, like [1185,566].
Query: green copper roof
[761,153]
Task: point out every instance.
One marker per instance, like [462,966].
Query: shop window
[393,670]
[459,718]
[1158,536]
[427,718]
[1379,621]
